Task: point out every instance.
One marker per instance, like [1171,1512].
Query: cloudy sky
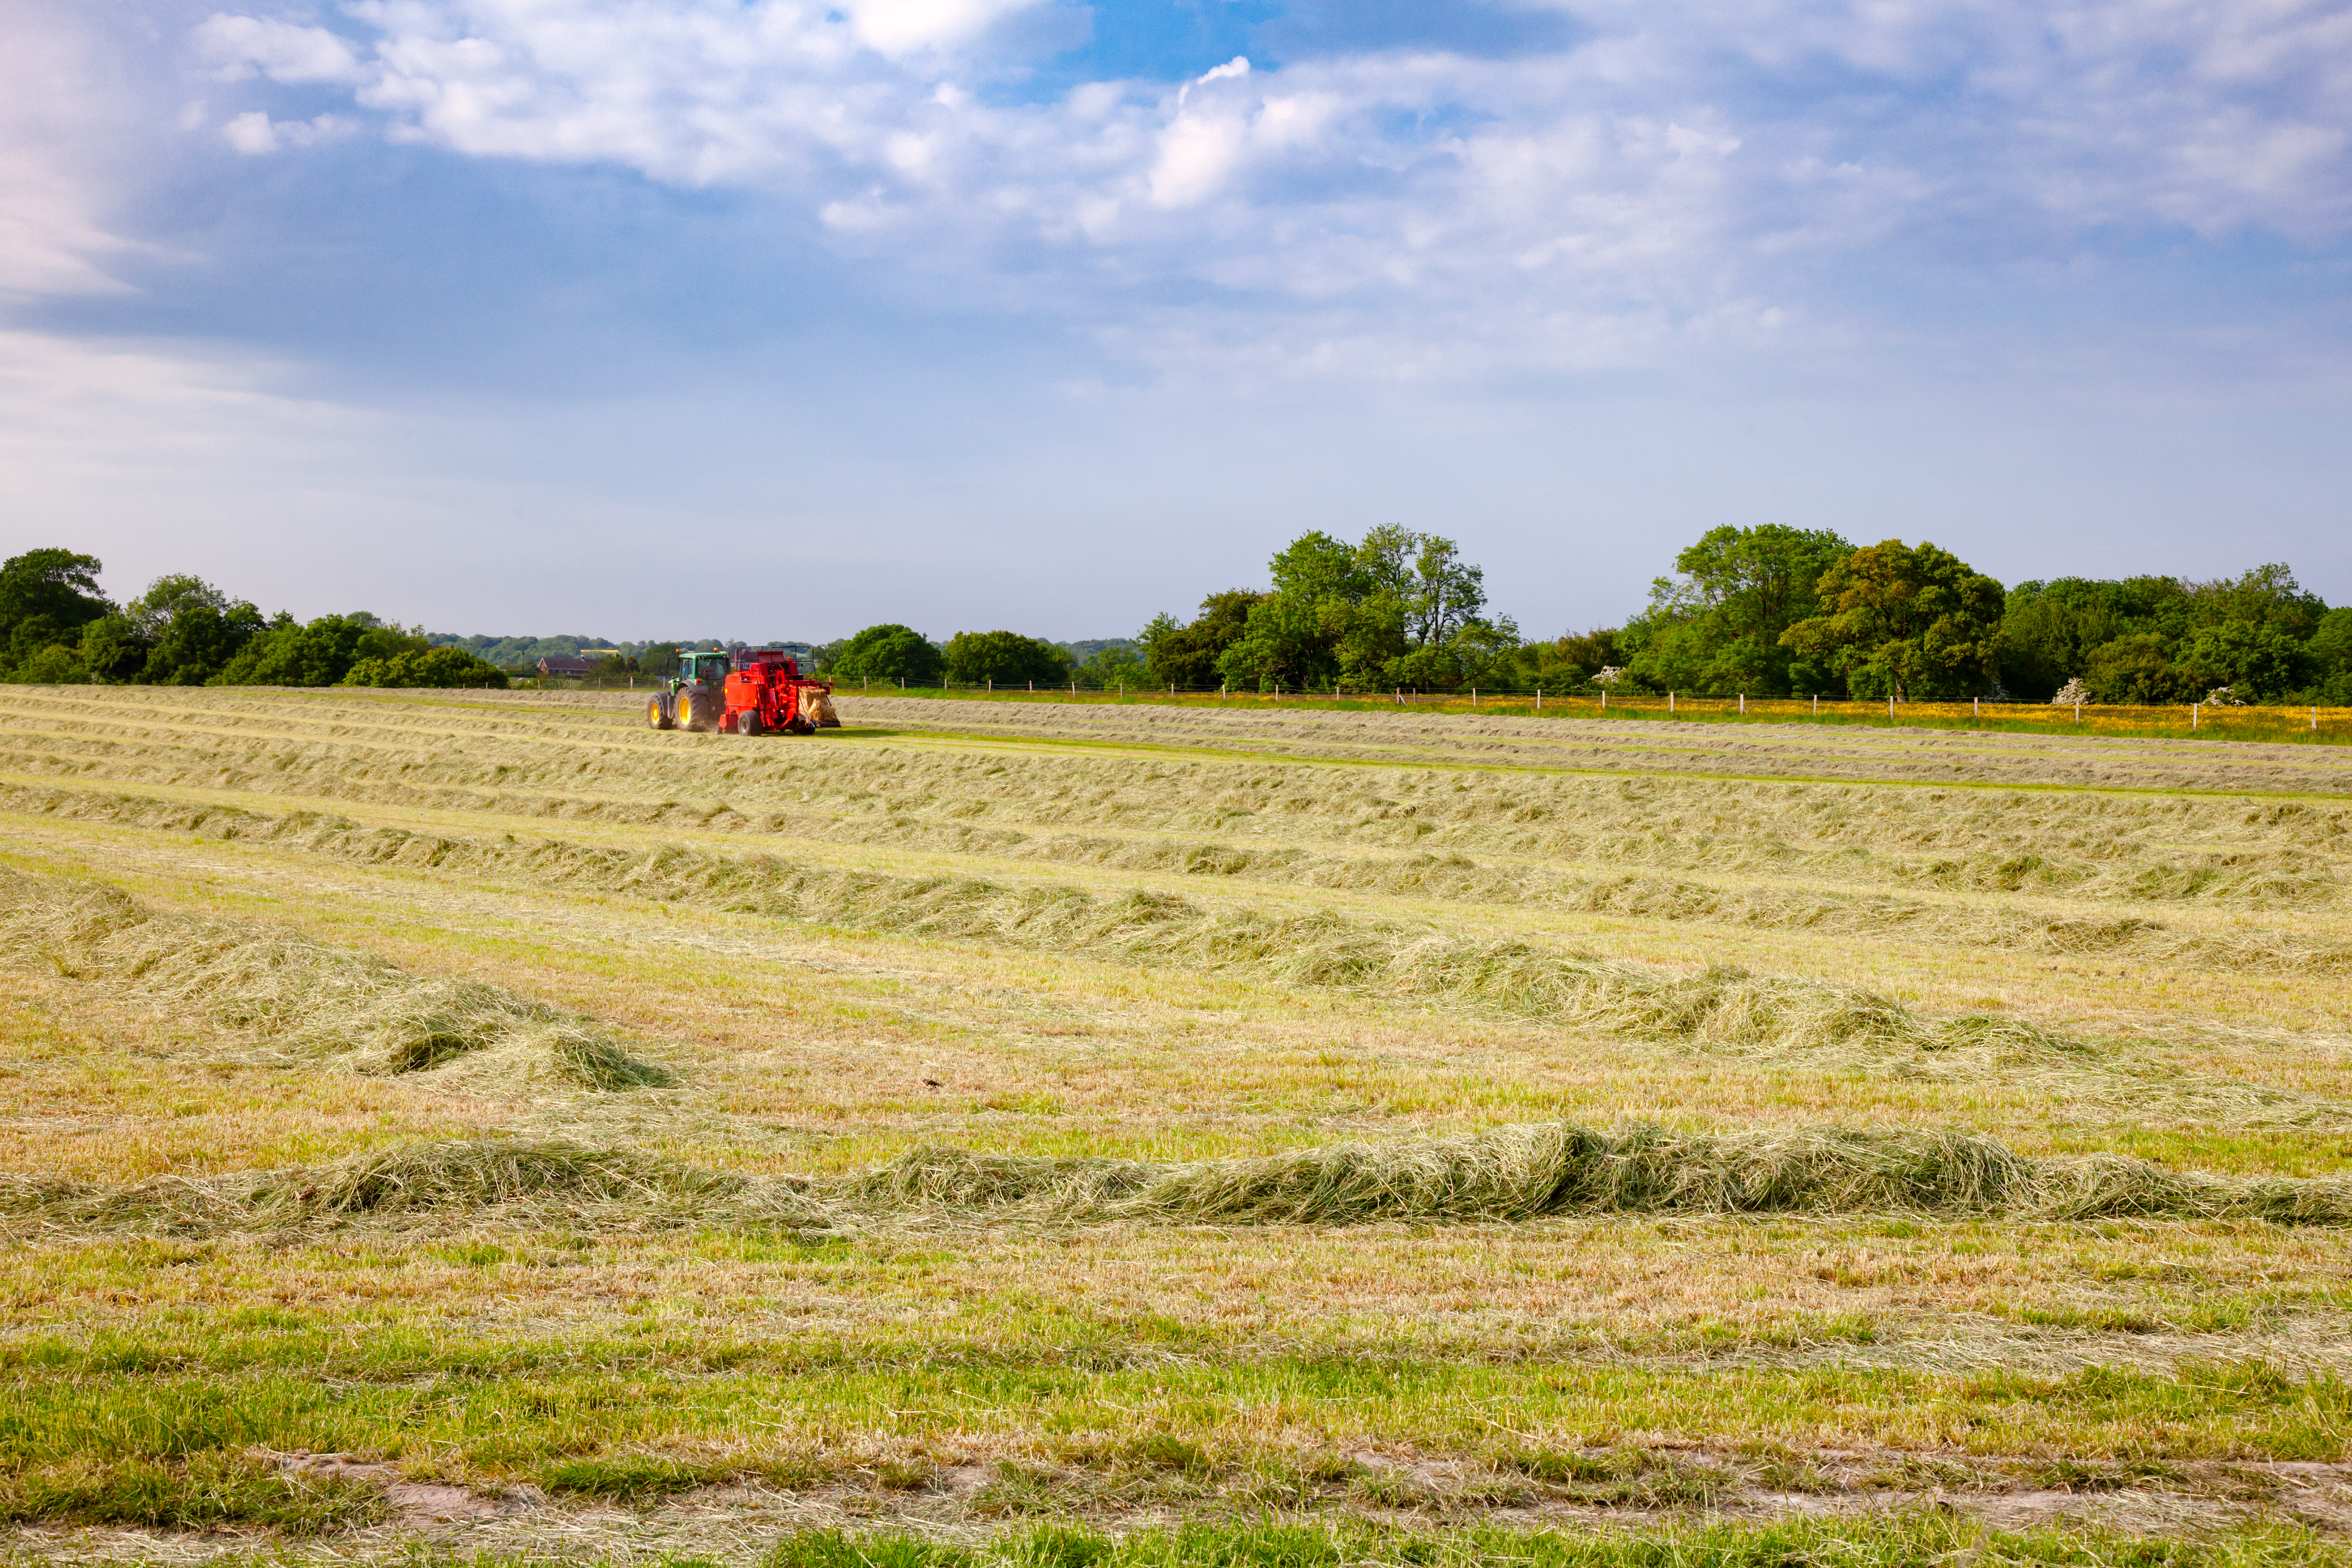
[781,317]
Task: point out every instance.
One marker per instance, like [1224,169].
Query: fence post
[2078,713]
[1976,707]
[2192,715]
[1743,705]
[1538,698]
[1890,707]
[1670,701]
[1817,704]
[1474,702]
[1221,689]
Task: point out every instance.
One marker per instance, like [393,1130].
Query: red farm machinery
[746,693]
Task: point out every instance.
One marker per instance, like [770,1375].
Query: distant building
[566,664]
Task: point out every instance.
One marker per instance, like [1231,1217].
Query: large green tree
[2137,669]
[2330,655]
[891,653]
[2257,663]
[1719,626]
[1006,658]
[319,653]
[47,598]
[2266,597]
[2051,631]
[1184,654]
[1400,608]
[192,629]
[1911,622]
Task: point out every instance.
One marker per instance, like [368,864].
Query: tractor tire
[657,714]
[687,719]
[747,722]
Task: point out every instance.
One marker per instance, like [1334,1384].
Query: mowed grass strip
[101,1431]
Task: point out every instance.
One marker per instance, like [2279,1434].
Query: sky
[644,317]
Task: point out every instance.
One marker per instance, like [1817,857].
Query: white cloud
[239,46]
[1673,173]
[254,133]
[897,29]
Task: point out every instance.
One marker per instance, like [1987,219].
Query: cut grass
[1510,1173]
[1496,1184]
[1724,1010]
[305,999]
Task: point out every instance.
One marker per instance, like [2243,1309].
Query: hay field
[472,1123]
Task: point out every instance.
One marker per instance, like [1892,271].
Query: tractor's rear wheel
[656,716]
[687,719]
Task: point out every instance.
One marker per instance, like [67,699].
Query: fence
[2197,720]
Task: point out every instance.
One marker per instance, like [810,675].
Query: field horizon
[472,1123]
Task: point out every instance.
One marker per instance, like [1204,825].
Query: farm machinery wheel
[747,722]
[656,716]
[687,719]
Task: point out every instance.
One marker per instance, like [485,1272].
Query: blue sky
[773,317]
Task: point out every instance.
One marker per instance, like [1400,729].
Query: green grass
[162,1430]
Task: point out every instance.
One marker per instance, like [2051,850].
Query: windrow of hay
[1559,1168]
[305,1001]
[1649,895]
[1254,732]
[2248,854]
[1724,1010]
[541,1181]
[1505,1174]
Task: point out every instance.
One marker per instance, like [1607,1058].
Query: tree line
[57,628]
[1770,611]
[1778,612]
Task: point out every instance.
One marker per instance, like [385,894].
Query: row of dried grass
[1505,1174]
[1529,1172]
[2142,848]
[298,1000]
[530,1181]
[1723,1010]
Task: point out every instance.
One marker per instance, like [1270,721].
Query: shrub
[433,666]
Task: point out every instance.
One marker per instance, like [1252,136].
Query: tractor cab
[693,668]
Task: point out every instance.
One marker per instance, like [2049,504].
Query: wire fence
[2189,720]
